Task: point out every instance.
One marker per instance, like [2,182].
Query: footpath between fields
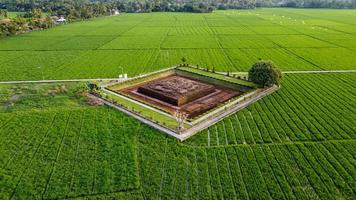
[300,72]
[118,79]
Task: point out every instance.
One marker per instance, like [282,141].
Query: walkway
[198,127]
[60,81]
[116,79]
[313,72]
[302,72]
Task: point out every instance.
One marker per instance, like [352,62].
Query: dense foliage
[30,21]
[3,13]
[307,3]
[104,6]
[265,73]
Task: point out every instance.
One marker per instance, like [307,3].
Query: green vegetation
[265,73]
[227,40]
[307,108]
[199,6]
[24,97]
[4,14]
[297,143]
[147,113]
[29,21]
[122,99]
[67,153]
[217,76]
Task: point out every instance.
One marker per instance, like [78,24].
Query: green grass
[160,118]
[12,14]
[35,97]
[147,113]
[232,40]
[219,76]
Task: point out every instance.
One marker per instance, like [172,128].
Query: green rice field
[297,143]
[295,39]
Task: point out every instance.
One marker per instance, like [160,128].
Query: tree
[34,13]
[92,86]
[265,73]
[3,13]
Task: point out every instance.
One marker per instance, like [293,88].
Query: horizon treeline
[104,7]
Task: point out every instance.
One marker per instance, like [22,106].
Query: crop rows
[329,58]
[68,154]
[189,31]
[293,171]
[112,61]
[295,144]
[226,40]
[303,110]
[202,57]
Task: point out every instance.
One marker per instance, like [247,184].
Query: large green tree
[265,73]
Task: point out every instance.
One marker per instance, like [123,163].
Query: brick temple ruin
[176,92]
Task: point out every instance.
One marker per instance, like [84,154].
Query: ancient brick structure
[176,90]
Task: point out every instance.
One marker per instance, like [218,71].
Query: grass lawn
[219,77]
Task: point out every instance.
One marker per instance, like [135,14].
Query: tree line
[92,8]
[307,3]
[73,10]
[29,21]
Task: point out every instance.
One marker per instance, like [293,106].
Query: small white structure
[115,12]
[61,20]
[123,76]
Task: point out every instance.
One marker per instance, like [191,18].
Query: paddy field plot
[294,39]
[297,143]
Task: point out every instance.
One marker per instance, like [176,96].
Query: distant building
[115,12]
[61,20]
